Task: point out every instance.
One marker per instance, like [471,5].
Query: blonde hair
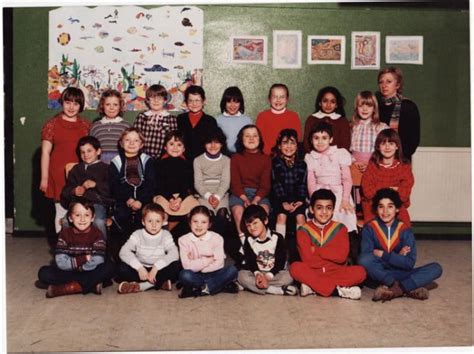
[368,98]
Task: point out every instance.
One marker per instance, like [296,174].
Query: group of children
[166,182]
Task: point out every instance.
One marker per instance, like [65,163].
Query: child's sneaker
[305,290]
[290,290]
[188,292]
[351,292]
[241,288]
[166,285]
[419,294]
[126,287]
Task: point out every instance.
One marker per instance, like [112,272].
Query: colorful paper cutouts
[404,49]
[326,49]
[126,48]
[287,49]
[249,49]
[365,50]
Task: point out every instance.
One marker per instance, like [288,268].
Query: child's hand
[246,200]
[404,251]
[213,201]
[134,204]
[152,275]
[89,184]
[346,207]
[287,206]
[43,185]
[88,257]
[361,166]
[190,255]
[260,281]
[79,191]
[378,253]
[142,273]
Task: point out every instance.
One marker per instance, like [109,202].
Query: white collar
[106,120]
[278,112]
[321,115]
[162,113]
[238,114]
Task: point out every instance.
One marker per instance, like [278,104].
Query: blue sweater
[376,235]
[231,127]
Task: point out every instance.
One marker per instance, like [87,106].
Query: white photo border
[264,59]
[388,47]
[341,61]
[278,64]
[353,51]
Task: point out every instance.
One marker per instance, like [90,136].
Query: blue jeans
[215,281]
[99,219]
[382,272]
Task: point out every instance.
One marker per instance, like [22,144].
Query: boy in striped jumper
[389,252]
[323,245]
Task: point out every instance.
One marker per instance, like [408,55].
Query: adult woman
[397,111]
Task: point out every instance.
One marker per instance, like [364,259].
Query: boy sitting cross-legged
[389,252]
[265,256]
[323,245]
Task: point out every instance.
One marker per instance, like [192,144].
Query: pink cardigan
[202,254]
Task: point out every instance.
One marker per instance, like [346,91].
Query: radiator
[442,190]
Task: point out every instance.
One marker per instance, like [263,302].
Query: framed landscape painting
[404,49]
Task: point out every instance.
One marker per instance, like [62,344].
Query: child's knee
[186,276]
[436,269]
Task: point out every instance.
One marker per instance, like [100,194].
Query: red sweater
[250,171]
[271,124]
[323,248]
[398,175]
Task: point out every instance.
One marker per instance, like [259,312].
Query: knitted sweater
[144,249]
[390,239]
[379,176]
[323,247]
[108,132]
[231,126]
[174,175]
[202,254]
[97,172]
[265,256]
[193,136]
[271,124]
[250,170]
[211,176]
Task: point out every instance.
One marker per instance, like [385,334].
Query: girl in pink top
[202,256]
[328,168]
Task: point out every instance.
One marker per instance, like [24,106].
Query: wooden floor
[158,320]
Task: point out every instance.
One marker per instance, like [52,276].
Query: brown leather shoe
[65,289]
[382,293]
[419,294]
[166,285]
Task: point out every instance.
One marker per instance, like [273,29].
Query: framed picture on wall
[287,49]
[249,49]
[365,50]
[404,49]
[326,49]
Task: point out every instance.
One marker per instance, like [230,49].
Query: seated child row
[133,179]
[150,258]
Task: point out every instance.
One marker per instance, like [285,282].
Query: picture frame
[287,48]
[365,50]
[324,49]
[249,49]
[404,50]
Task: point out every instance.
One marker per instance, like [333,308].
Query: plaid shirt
[364,134]
[155,127]
[289,184]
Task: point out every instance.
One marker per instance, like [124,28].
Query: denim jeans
[409,279]
[99,219]
[170,272]
[215,281]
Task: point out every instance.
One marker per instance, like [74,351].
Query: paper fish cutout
[148,28]
[103,34]
[156,67]
[117,39]
[132,30]
[139,15]
[117,49]
[170,54]
[99,49]
[185,9]
[148,16]
[96,25]
[186,23]
[83,28]
[86,37]
[163,35]
[135,50]
[72,20]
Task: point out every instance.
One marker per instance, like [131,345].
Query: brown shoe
[126,287]
[166,285]
[64,289]
[419,294]
[382,293]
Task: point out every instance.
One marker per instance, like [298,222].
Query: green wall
[440,86]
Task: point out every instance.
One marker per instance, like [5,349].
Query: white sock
[146,285]
[60,213]
[281,229]
[274,290]
[205,290]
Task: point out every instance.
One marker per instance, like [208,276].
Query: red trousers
[324,281]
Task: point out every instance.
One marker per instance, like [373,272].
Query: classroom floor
[158,320]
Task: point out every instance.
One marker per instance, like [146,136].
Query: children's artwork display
[126,48]
[365,50]
[326,49]
[249,49]
[404,49]
[287,49]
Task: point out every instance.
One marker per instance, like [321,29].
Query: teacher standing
[397,111]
